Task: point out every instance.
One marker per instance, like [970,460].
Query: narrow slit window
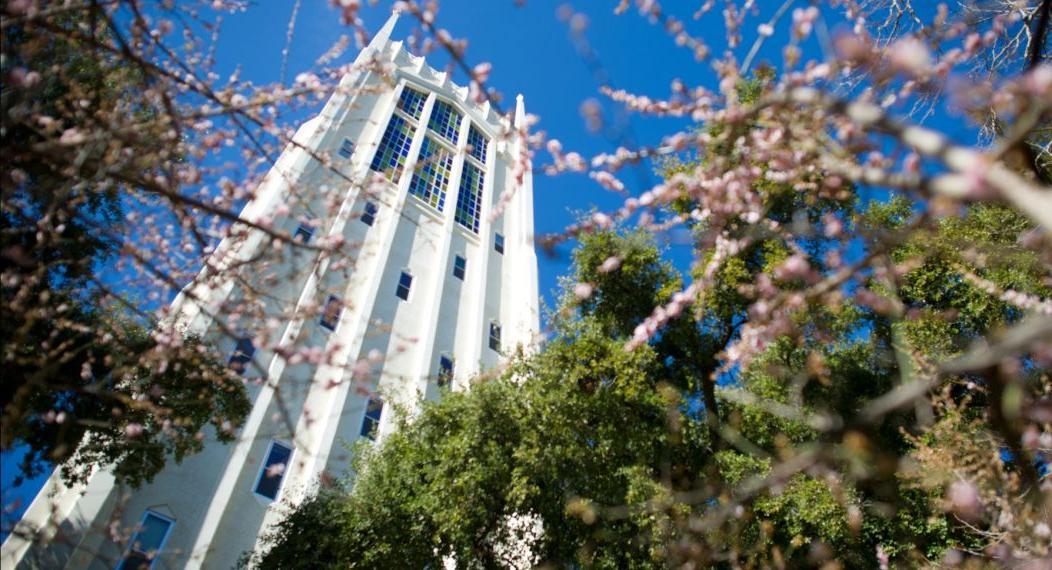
[405,283]
[445,370]
[460,267]
[272,472]
[393,151]
[242,355]
[147,542]
[369,215]
[303,233]
[494,336]
[432,173]
[330,316]
[469,197]
[445,121]
[477,144]
[346,148]
[498,243]
[371,423]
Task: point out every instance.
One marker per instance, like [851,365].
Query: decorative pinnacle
[520,111]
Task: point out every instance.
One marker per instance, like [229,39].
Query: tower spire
[384,34]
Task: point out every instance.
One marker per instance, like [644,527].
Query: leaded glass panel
[477,144]
[469,197]
[393,151]
[412,102]
[432,174]
[445,120]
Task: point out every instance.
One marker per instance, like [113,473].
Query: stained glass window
[432,174]
[445,120]
[394,148]
[412,102]
[469,197]
[477,144]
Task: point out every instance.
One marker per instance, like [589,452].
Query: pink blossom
[795,267]
[964,500]
[911,56]
[583,291]
[610,264]
[275,470]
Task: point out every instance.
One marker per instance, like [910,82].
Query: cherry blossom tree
[128,158]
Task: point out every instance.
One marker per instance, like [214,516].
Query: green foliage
[120,402]
[597,441]
[563,435]
[805,511]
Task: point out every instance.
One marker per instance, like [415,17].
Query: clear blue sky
[532,53]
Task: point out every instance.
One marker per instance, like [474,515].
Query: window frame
[366,419]
[305,230]
[247,356]
[424,92]
[394,173]
[347,148]
[451,137]
[263,469]
[432,176]
[495,326]
[408,287]
[460,264]
[336,322]
[470,189]
[483,149]
[369,212]
[160,548]
[445,375]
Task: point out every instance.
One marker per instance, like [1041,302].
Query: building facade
[434,291]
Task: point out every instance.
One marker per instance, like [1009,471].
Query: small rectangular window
[147,542]
[498,243]
[445,370]
[272,472]
[405,282]
[242,355]
[369,215]
[494,336]
[330,316]
[303,233]
[460,266]
[346,148]
[373,411]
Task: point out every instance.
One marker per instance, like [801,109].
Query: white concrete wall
[320,409]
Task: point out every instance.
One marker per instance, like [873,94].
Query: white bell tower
[432,196]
